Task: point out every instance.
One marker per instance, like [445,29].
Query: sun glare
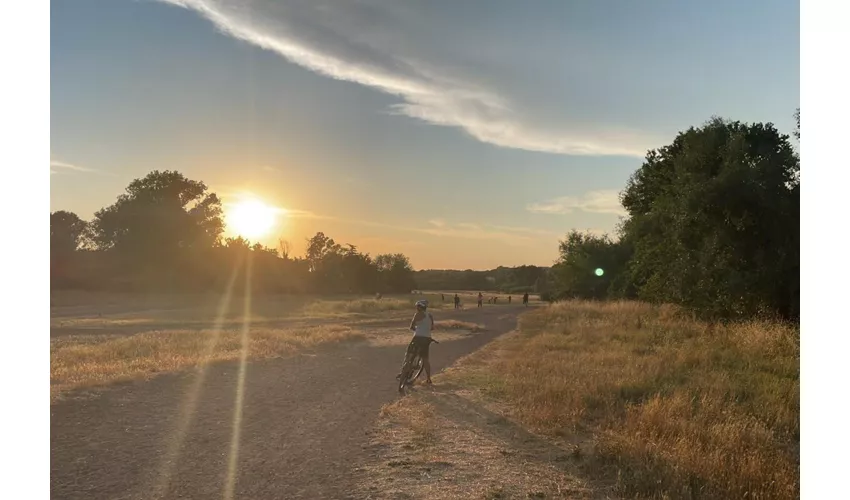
[251,218]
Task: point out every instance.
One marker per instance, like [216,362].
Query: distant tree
[320,247]
[284,249]
[160,231]
[68,232]
[396,272]
[158,215]
[714,221]
[797,129]
[588,266]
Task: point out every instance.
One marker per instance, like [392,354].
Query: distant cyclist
[525,299]
[421,326]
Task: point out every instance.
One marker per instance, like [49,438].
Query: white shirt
[423,328]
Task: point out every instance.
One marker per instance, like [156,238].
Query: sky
[463,134]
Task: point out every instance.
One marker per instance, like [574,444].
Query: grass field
[99,339]
[643,399]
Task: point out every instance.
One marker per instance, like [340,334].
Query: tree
[159,214]
[67,232]
[396,272]
[589,266]
[284,249]
[797,119]
[714,221]
[160,231]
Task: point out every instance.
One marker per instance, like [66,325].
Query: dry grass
[365,306]
[96,360]
[444,443]
[453,324]
[676,408]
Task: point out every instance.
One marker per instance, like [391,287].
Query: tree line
[713,224]
[165,233]
[532,279]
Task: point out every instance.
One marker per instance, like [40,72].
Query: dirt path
[302,433]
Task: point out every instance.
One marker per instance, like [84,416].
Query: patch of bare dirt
[447,442]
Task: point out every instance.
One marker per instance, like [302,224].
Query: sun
[251,218]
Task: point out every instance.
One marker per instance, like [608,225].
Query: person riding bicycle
[421,326]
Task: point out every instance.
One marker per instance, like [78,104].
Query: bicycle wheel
[418,365]
[406,371]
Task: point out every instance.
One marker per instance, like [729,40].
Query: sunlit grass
[366,306]
[453,324]
[78,364]
[676,408]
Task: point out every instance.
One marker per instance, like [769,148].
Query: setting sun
[251,218]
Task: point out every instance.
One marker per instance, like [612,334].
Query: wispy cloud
[56,165]
[601,202]
[388,46]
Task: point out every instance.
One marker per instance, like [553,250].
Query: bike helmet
[421,304]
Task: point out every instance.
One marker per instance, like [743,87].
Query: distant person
[442,297]
[496,300]
[525,299]
[509,299]
[457,302]
[480,299]
[378,296]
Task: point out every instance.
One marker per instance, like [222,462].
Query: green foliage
[713,224]
[581,255]
[396,273]
[157,216]
[67,232]
[714,220]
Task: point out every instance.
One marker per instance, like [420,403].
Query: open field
[153,335]
[614,399]
[285,418]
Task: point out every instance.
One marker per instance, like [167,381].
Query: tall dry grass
[94,361]
[677,408]
[367,306]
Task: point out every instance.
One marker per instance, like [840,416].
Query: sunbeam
[233,462]
[169,459]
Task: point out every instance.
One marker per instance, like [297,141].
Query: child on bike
[421,326]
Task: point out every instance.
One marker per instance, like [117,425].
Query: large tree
[159,215]
[396,272]
[589,266]
[68,232]
[714,221]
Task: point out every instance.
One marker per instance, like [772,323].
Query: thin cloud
[600,202]
[372,43]
[61,165]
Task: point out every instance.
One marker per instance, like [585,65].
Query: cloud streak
[373,43]
[600,202]
[56,165]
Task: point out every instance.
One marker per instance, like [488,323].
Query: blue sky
[465,134]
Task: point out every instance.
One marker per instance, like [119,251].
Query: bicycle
[412,366]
